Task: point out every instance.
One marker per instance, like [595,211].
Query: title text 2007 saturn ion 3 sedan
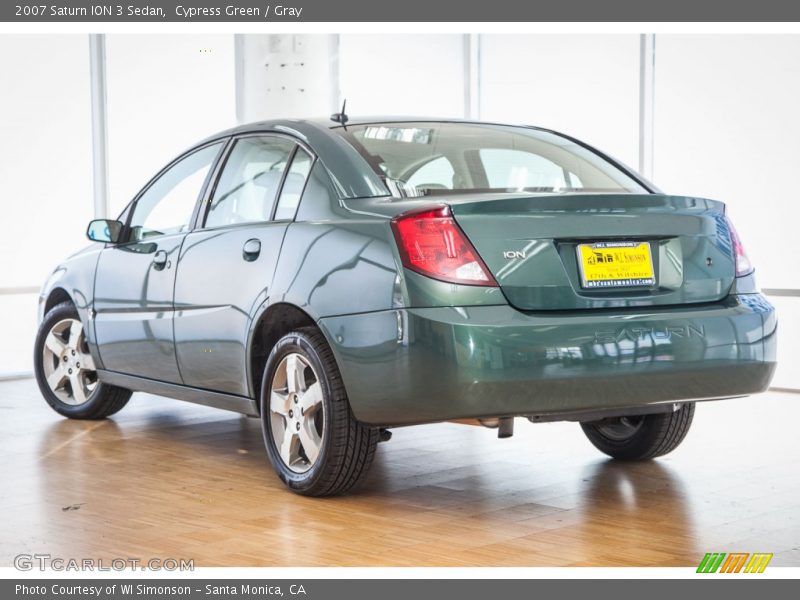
[336,281]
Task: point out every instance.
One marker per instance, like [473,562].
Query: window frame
[202,213]
[289,164]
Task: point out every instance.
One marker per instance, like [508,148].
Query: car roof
[329,123]
[375,119]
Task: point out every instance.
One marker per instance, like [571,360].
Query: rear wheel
[640,437]
[315,444]
[65,370]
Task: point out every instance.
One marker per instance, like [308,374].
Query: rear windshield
[428,159]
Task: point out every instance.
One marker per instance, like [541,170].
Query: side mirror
[104,230]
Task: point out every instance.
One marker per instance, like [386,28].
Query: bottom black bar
[733,587]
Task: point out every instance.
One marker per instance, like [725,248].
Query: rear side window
[293,185]
[250,181]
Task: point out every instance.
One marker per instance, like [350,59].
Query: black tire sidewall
[297,342]
[658,434]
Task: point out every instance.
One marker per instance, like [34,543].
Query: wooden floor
[168,479]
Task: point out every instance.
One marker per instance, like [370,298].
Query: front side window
[426,159]
[250,181]
[166,206]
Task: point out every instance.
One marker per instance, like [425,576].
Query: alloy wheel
[620,429]
[69,369]
[296,413]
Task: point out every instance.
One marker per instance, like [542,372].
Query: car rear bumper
[432,364]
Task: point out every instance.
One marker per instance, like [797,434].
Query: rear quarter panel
[340,257]
[334,260]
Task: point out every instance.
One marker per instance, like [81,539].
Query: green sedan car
[337,279]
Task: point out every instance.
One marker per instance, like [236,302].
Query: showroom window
[250,181]
[553,88]
[167,205]
[55,186]
[160,102]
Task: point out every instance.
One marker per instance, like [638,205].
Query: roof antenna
[341,117]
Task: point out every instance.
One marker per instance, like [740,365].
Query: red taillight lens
[432,244]
[743,264]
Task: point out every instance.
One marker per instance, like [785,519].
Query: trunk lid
[530,244]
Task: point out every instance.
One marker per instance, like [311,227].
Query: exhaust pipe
[505,428]
[504,425]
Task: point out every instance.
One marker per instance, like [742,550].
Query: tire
[62,365]
[640,437]
[315,444]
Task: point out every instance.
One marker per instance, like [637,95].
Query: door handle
[251,249]
[160,260]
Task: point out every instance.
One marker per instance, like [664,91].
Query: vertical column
[239,75]
[97,78]
[647,60]
[335,89]
[472,76]
[286,76]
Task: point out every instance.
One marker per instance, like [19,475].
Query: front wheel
[65,370]
[640,437]
[315,444]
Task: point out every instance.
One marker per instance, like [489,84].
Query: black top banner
[251,11]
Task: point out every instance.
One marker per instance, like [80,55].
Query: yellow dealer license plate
[616,264]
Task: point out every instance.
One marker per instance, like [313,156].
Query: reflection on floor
[168,479]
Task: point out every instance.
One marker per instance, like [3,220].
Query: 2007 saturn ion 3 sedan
[336,279]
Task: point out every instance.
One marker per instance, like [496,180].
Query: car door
[134,284]
[226,266]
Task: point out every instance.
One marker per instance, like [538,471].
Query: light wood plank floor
[168,479]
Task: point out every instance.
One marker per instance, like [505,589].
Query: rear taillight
[432,244]
[743,264]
